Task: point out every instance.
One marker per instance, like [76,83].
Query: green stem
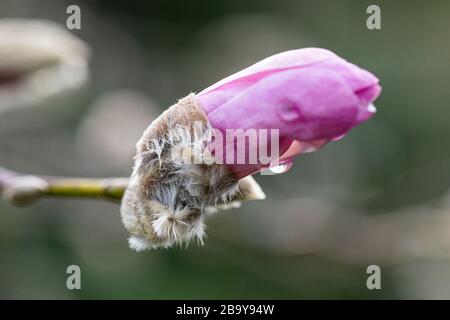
[112,188]
[22,189]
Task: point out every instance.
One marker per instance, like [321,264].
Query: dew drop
[288,112]
[371,108]
[280,168]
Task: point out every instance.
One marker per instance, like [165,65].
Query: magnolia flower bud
[310,95]
[183,169]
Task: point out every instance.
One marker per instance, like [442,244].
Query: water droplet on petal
[281,168]
[278,169]
[371,108]
[288,112]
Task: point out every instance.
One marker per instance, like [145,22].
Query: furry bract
[308,97]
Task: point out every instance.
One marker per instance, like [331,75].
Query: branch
[23,189]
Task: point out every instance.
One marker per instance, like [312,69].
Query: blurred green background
[378,196]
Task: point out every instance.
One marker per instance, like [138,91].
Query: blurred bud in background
[107,136]
[38,59]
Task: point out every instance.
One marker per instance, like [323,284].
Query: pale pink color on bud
[310,95]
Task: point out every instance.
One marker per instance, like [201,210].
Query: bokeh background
[378,196]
